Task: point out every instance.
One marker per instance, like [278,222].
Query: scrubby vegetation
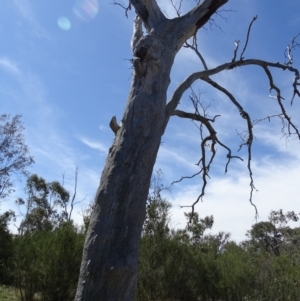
[42,262]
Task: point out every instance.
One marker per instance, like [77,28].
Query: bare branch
[269,117]
[73,203]
[194,47]
[256,121]
[204,10]
[197,117]
[248,35]
[236,43]
[174,101]
[249,139]
[218,13]
[124,7]
[204,75]
[114,125]
[187,177]
[177,7]
[289,48]
[196,102]
[226,92]
[189,23]
[74,194]
[205,164]
[295,84]
[279,98]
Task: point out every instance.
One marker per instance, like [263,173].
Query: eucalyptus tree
[275,236]
[110,257]
[14,153]
[45,206]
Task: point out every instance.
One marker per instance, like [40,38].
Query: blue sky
[64,65]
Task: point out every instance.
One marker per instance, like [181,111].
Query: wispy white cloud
[273,137]
[295,21]
[227,198]
[53,151]
[9,66]
[174,157]
[24,8]
[93,144]
[56,158]
[102,127]
[275,172]
[33,91]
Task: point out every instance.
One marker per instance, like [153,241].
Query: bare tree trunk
[110,258]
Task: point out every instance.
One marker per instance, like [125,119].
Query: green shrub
[48,263]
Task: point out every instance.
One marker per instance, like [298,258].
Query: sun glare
[64,23]
[86,10]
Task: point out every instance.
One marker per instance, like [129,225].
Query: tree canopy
[14,154]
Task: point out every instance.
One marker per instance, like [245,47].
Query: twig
[194,47]
[288,52]
[177,7]
[124,7]
[248,35]
[187,177]
[236,43]
[279,98]
[248,136]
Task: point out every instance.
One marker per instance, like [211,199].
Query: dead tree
[110,258]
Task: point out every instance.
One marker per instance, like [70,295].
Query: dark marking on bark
[139,67]
[211,10]
[144,14]
[202,21]
[141,52]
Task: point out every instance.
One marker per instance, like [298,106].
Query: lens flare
[64,23]
[86,10]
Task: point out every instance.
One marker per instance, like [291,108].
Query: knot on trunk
[141,52]
[139,66]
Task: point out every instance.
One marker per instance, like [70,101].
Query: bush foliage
[43,261]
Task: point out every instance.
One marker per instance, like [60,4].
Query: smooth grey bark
[109,266]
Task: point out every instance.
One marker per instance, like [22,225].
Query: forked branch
[149,12]
[126,8]
[204,162]
[248,137]
[194,47]
[288,52]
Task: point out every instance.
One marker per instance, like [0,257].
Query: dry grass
[8,293]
